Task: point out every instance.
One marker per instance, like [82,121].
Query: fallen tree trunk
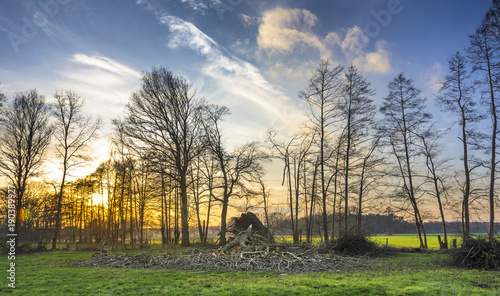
[239,239]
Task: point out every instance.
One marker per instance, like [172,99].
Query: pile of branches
[252,248]
[478,253]
[285,259]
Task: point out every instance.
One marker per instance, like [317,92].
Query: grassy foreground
[53,273]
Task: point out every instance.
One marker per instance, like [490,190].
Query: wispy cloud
[249,21]
[235,76]
[196,5]
[106,64]
[104,82]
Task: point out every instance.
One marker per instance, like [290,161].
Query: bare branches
[404,112]
[73,133]
[163,120]
[25,137]
[287,259]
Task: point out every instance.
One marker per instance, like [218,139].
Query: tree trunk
[59,204]
[223,218]
[491,229]
[184,209]
[465,204]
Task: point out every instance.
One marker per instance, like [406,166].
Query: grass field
[398,240]
[411,240]
[53,273]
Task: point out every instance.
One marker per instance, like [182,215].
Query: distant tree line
[170,168]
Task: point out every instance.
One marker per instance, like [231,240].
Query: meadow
[396,241]
[56,273]
[411,240]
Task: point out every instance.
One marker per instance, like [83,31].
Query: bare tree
[322,96]
[484,51]
[25,135]
[73,133]
[238,168]
[456,95]
[294,157]
[123,164]
[163,121]
[435,165]
[144,192]
[358,111]
[404,115]
[370,174]
[266,194]
[209,170]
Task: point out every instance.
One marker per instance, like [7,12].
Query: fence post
[386,241]
[441,244]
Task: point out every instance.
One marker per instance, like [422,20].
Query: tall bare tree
[435,165]
[294,156]
[456,95]
[484,52]
[24,137]
[370,173]
[322,96]
[163,121]
[73,133]
[404,115]
[358,111]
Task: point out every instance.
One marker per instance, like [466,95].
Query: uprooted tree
[248,229]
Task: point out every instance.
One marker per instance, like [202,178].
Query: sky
[252,56]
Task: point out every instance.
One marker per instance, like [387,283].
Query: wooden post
[441,244]
[454,243]
[386,241]
[202,238]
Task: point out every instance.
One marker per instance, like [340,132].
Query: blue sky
[252,56]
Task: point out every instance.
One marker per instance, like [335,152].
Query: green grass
[411,240]
[398,240]
[53,273]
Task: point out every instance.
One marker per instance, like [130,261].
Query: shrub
[23,248]
[478,253]
[353,244]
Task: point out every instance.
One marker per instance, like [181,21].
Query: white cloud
[105,83]
[286,33]
[285,30]
[374,62]
[435,76]
[106,64]
[333,39]
[249,21]
[355,40]
[235,76]
[196,5]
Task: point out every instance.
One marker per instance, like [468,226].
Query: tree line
[169,166]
